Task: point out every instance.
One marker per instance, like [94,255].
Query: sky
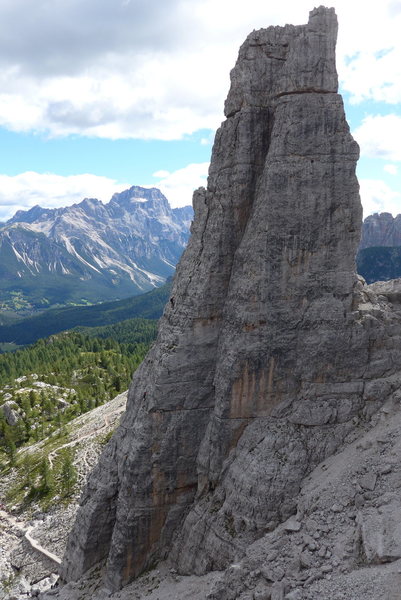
[99,95]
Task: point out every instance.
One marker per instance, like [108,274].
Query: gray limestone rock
[381,532]
[381,230]
[270,349]
[292,525]
[368,481]
[10,412]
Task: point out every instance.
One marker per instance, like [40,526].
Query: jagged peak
[283,61]
[131,198]
[137,195]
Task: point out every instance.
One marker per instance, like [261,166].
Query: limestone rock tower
[263,357]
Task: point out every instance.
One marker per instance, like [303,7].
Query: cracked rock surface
[271,354]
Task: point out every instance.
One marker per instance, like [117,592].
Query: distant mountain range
[90,252]
[379,256]
[381,229]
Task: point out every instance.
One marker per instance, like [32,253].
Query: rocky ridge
[381,230]
[272,357]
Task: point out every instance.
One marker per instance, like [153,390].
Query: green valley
[28,330]
[53,381]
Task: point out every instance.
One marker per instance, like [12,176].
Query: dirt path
[27,534]
[36,550]
[36,546]
[84,437]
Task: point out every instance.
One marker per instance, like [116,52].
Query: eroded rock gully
[270,352]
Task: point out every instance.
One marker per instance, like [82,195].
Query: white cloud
[160,69]
[21,192]
[369,49]
[380,137]
[143,70]
[377,196]
[208,141]
[392,169]
[160,174]
[179,185]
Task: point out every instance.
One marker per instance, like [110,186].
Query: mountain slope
[91,251]
[23,569]
[27,331]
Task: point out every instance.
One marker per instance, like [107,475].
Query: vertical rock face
[266,354]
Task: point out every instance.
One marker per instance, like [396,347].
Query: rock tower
[267,355]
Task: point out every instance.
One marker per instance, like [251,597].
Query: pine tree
[11,451]
[27,466]
[117,383]
[48,407]
[46,483]
[26,406]
[8,442]
[68,473]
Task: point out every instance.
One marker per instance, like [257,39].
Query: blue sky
[122,159]
[97,95]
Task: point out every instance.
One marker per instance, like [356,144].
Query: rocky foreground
[33,537]
[259,450]
[342,543]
